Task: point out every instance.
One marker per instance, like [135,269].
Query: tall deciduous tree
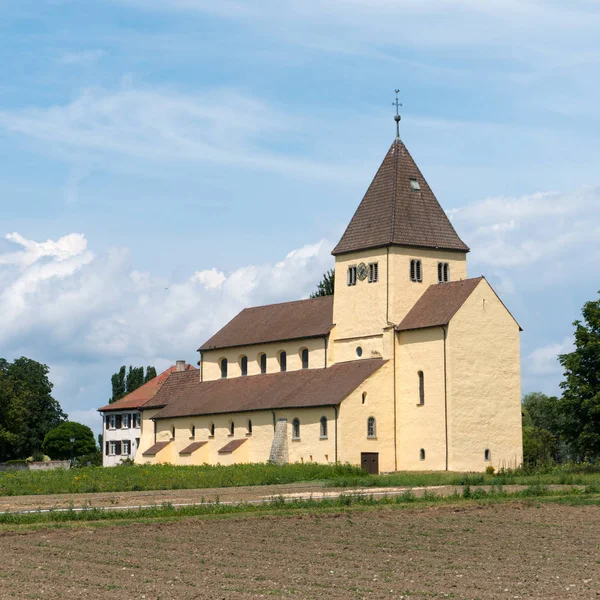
[124,382]
[581,387]
[150,374]
[325,287]
[28,406]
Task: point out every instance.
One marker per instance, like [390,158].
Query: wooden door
[369,461]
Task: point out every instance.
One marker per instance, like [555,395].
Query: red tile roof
[392,213]
[142,394]
[231,446]
[275,322]
[155,448]
[192,447]
[182,395]
[438,304]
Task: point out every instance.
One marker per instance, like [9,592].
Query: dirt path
[229,495]
[504,551]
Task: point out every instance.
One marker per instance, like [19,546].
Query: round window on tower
[358,351]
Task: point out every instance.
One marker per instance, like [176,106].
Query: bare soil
[513,550]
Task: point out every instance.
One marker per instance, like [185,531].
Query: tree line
[557,429]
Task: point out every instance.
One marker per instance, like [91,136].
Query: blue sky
[164,164]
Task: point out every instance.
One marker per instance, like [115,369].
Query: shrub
[489,470]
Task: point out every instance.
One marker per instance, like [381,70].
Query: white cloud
[170,127]
[544,360]
[84,57]
[78,311]
[532,230]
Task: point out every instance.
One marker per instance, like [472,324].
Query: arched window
[212,430]
[364,397]
[415,270]
[371,430]
[421,388]
[223,368]
[173,432]
[296,429]
[305,358]
[249,426]
[263,363]
[231,428]
[422,454]
[283,361]
[443,272]
[487,455]
[193,431]
[323,427]
[244,365]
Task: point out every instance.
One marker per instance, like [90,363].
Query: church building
[410,365]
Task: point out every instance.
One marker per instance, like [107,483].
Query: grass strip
[280,505]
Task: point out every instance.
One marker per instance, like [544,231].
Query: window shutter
[107,421]
[118,448]
[106,448]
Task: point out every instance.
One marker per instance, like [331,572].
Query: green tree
[581,386]
[325,287]
[34,411]
[150,374]
[135,378]
[118,384]
[12,419]
[57,443]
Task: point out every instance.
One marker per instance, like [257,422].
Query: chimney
[180,365]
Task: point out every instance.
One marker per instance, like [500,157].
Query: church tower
[397,244]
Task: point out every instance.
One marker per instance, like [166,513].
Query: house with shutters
[122,420]
[410,365]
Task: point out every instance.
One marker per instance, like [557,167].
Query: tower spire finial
[397,116]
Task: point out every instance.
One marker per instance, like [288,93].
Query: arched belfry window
[421,387]
[244,365]
[443,272]
[263,363]
[283,361]
[223,368]
[249,426]
[371,427]
[323,422]
[212,430]
[231,428]
[296,429]
[416,270]
[305,358]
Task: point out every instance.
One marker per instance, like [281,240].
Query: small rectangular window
[126,447]
[352,275]
[113,421]
[373,272]
[414,184]
[125,423]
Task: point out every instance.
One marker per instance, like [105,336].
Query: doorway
[369,461]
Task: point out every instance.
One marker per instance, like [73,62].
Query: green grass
[279,506]
[568,474]
[164,477]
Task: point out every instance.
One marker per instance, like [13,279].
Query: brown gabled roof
[438,304]
[155,448]
[192,447]
[231,446]
[142,394]
[275,322]
[392,213]
[183,395]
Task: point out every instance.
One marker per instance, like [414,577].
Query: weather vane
[397,116]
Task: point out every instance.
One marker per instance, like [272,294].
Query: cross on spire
[397,116]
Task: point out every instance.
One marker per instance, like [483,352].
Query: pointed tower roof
[394,213]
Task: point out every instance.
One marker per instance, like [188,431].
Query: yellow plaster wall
[211,360]
[420,426]
[352,420]
[372,347]
[360,310]
[403,292]
[484,395]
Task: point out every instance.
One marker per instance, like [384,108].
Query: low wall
[37,466]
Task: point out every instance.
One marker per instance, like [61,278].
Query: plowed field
[513,550]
